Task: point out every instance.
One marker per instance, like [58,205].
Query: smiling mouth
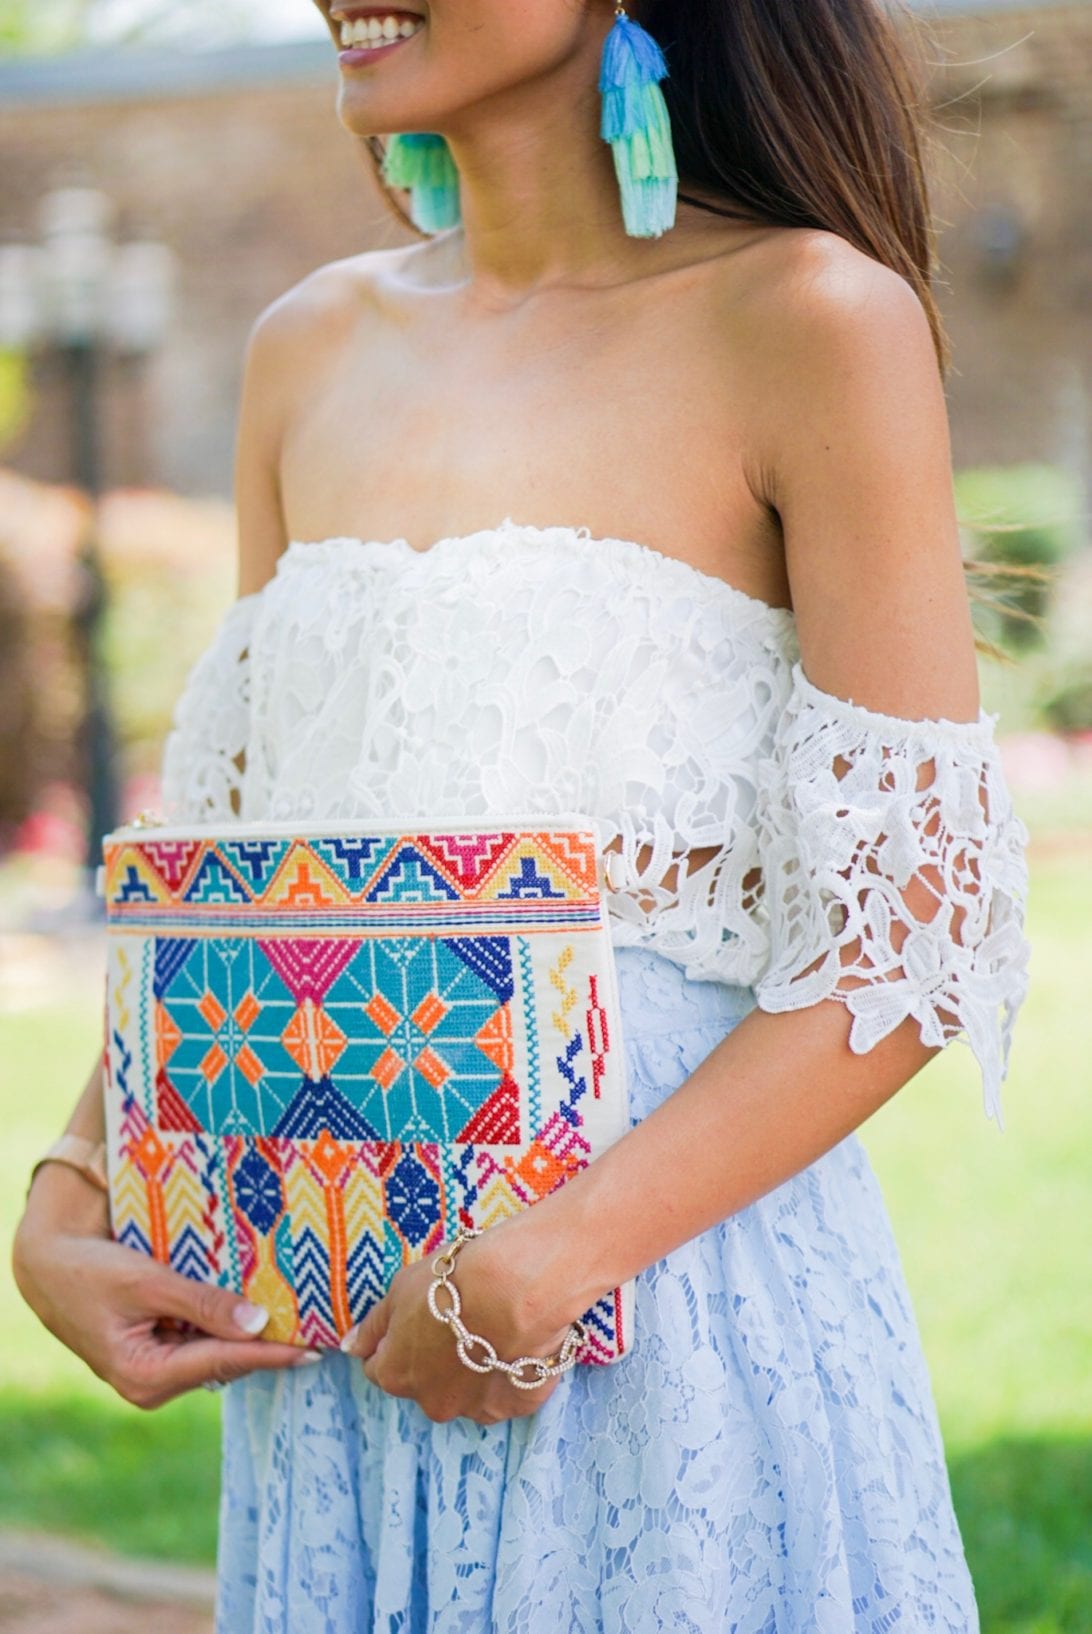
[371,28]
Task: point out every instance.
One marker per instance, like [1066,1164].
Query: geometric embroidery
[325,1051]
[213,881]
[413,1198]
[319,1106]
[255,861]
[308,965]
[258,1190]
[233,1082]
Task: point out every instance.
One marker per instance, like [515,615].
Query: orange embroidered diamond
[387,1068]
[431,1067]
[495,1039]
[213,1063]
[541,1169]
[313,1040]
[329,1157]
[383,1013]
[211,1011]
[430,1012]
[168,1035]
[247,1010]
[249,1065]
[149,1153]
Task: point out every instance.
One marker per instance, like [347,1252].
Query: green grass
[77,1459]
[993,1235]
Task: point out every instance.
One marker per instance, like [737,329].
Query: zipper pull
[146,818]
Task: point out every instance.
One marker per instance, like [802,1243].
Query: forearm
[87,1118]
[774,1095]
[59,1192]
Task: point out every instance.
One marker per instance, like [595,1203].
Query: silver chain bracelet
[543,1367]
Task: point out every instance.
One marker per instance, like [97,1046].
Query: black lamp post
[82,297]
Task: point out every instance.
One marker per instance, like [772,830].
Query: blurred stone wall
[1012,193]
[239,162]
[253,182]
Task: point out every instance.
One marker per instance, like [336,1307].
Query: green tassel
[644,163]
[636,123]
[421,161]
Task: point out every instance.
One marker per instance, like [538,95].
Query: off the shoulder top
[855,855]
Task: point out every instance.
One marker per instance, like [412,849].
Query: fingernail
[350,1338]
[307,1357]
[251,1318]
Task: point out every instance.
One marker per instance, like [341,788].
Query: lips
[352,13]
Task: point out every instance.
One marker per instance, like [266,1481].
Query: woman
[540,513]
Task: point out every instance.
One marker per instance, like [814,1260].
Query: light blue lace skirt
[766,1460]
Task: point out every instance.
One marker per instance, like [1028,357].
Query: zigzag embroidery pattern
[324,1054]
[308,875]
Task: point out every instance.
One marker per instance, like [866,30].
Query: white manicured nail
[350,1339]
[251,1318]
[308,1357]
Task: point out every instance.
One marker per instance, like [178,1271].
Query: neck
[538,193]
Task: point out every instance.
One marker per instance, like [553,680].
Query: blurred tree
[1025,520]
[14,394]
[41,25]
[19,739]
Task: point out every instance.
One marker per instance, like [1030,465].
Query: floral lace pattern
[514,670]
[537,669]
[898,883]
[205,750]
[767,1459]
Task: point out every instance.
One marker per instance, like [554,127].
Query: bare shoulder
[819,336]
[848,441]
[291,343]
[821,273]
[806,299]
[320,307]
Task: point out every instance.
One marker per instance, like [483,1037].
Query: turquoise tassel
[636,123]
[422,162]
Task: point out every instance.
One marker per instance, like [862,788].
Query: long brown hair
[807,113]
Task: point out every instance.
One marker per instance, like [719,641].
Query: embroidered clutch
[328,1045]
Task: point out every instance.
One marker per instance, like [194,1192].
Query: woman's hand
[105,1301]
[407,1352]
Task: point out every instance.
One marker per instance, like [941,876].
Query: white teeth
[374,31]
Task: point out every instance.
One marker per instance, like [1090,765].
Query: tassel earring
[422,162]
[636,123]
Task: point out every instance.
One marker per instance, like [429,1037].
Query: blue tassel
[422,162]
[636,123]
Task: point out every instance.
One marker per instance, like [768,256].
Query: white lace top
[522,668]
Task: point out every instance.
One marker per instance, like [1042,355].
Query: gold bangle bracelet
[87,1157]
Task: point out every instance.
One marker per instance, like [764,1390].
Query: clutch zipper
[288,826]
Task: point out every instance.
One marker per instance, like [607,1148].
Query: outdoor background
[210,130]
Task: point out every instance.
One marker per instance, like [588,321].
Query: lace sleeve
[204,754]
[894,876]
